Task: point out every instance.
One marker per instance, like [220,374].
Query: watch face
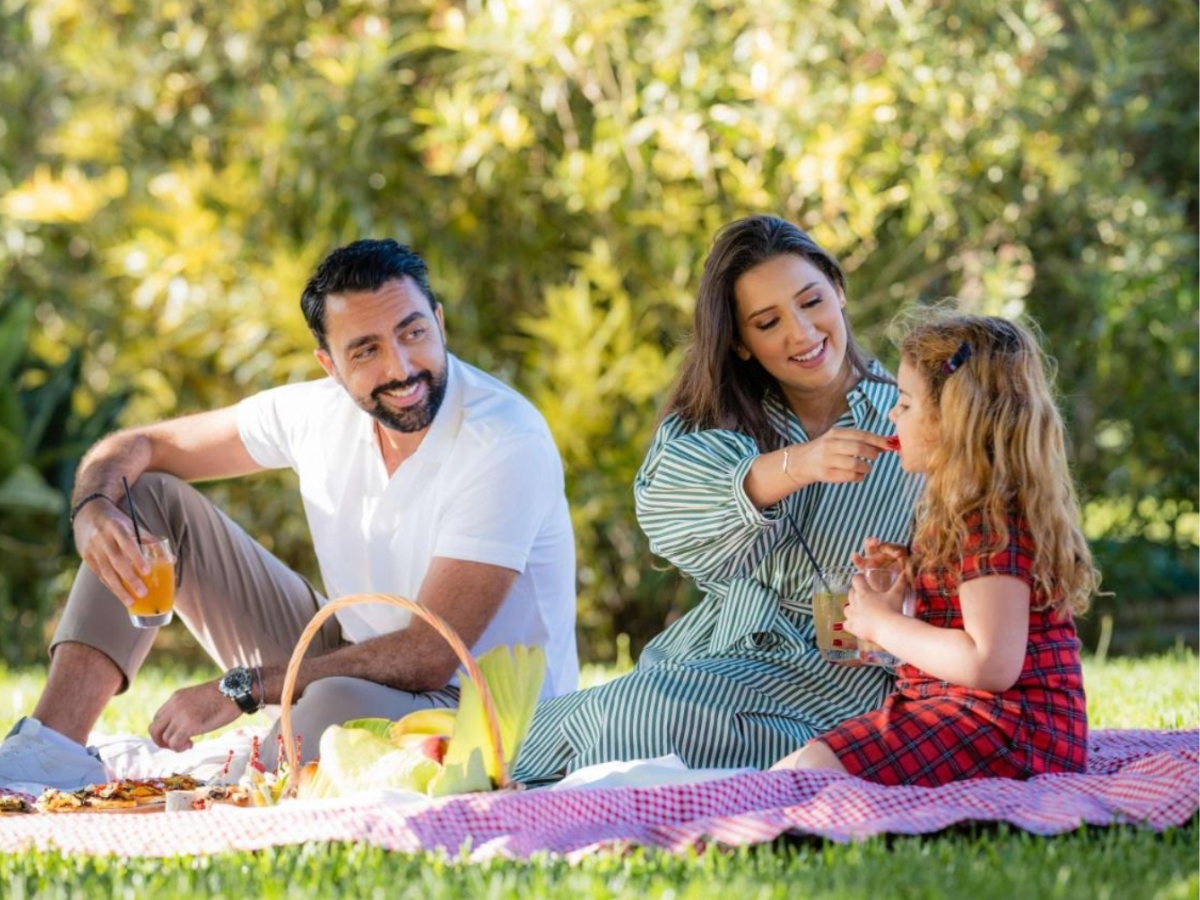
[236,682]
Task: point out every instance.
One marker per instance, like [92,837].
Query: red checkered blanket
[1148,778]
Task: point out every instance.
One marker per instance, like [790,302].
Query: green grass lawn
[976,862]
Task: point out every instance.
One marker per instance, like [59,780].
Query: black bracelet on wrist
[95,495]
[262,691]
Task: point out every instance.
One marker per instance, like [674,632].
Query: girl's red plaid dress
[930,732]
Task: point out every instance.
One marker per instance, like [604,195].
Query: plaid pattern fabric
[930,732]
[1144,778]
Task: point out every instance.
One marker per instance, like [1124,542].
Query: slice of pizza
[109,803]
[180,783]
[53,800]
[11,803]
[133,792]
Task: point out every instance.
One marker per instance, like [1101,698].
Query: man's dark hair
[363,266]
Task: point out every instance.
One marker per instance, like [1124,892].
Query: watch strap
[238,685]
[246,702]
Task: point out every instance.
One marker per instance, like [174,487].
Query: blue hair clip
[961,355]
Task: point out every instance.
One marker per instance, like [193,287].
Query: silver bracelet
[786,471]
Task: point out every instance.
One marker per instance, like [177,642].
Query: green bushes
[170,173]
[42,437]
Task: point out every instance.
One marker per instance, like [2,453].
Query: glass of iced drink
[868,651]
[156,607]
[829,612]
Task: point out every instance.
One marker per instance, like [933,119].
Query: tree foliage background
[171,171]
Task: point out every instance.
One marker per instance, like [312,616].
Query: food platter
[114,798]
[124,796]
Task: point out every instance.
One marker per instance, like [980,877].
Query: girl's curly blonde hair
[1001,450]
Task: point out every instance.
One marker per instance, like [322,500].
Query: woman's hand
[106,541]
[868,611]
[839,456]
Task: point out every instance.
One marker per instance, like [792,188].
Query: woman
[776,428]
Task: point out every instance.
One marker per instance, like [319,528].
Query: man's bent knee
[325,697]
[157,495]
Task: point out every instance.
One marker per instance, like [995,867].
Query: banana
[423,721]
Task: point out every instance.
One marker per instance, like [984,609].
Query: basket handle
[436,622]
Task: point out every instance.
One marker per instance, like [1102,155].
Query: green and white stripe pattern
[737,681]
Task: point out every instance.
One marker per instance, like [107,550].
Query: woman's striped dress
[737,681]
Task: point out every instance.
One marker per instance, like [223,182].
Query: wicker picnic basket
[437,623]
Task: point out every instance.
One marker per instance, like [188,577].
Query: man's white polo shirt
[485,485]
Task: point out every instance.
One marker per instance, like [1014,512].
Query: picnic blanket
[1147,778]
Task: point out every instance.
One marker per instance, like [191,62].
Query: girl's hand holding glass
[877,554]
[876,594]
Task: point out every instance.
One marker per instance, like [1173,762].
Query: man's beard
[411,418]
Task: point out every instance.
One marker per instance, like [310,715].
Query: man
[421,476]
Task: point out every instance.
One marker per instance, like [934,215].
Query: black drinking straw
[132,512]
[808,552]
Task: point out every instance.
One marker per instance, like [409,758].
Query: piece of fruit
[893,443]
[423,721]
[355,760]
[432,746]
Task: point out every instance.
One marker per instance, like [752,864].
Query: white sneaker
[31,761]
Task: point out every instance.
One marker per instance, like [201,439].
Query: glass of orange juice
[157,606]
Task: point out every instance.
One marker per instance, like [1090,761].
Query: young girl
[992,685]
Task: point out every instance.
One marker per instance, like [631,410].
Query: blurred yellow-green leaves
[171,172]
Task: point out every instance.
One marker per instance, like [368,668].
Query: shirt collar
[866,399]
[879,396]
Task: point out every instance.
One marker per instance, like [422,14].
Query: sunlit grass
[1148,692]
[979,863]
[128,713]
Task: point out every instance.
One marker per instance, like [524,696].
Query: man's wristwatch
[237,684]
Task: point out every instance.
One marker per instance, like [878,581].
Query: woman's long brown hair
[715,387]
